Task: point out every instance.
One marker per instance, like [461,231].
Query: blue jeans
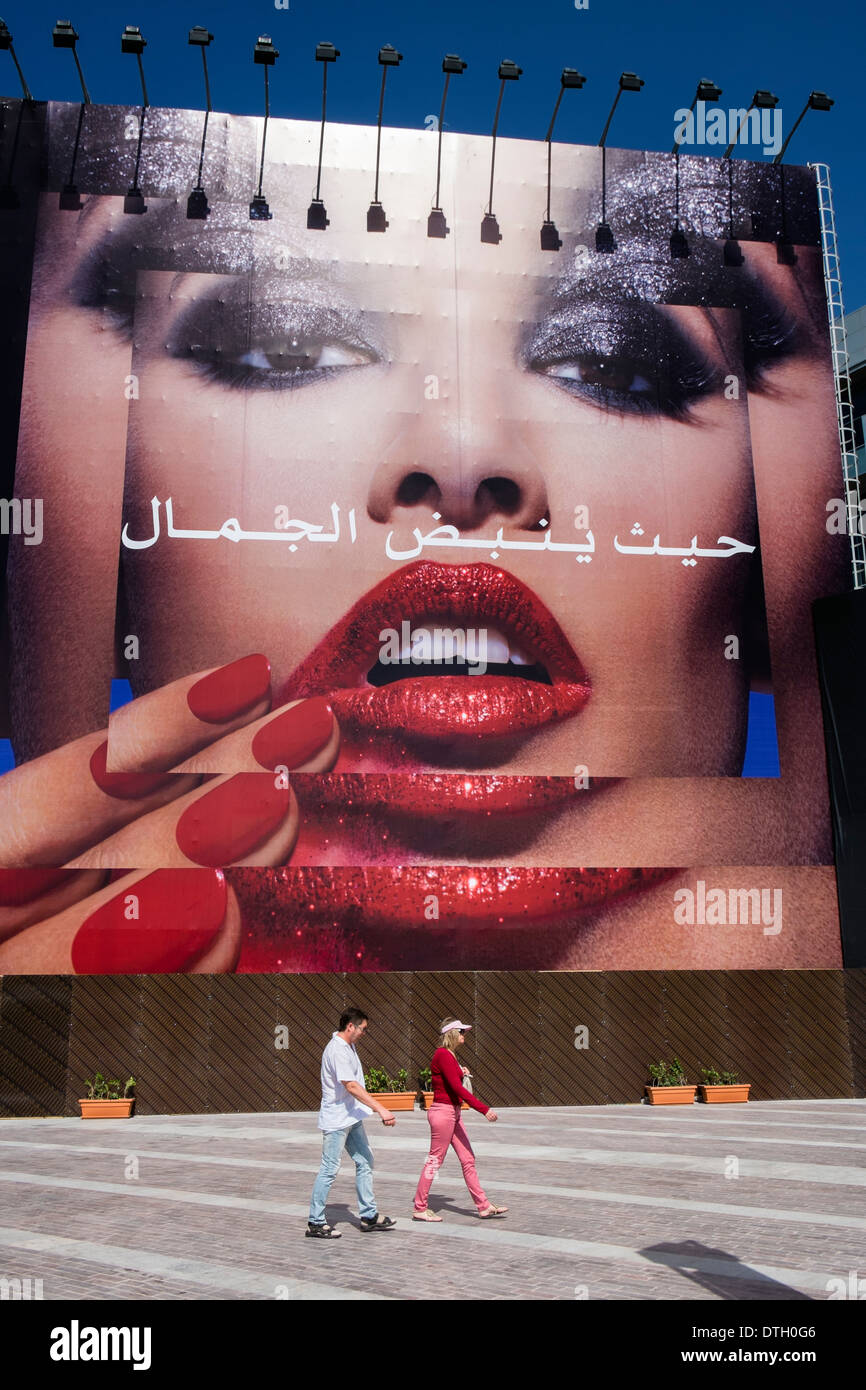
[354,1140]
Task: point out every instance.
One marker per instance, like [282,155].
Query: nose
[469,465]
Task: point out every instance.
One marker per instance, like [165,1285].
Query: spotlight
[134,200]
[317,217]
[376,219]
[436,224]
[707,90]
[490,233]
[604,241]
[630,82]
[63,34]
[197,205]
[785,253]
[550,237]
[679,244]
[131,40]
[732,255]
[259,210]
[70,200]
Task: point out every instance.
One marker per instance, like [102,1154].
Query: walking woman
[446,1125]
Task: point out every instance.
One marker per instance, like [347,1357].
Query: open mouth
[447,655]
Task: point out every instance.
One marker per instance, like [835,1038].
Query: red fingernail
[160,924]
[226,823]
[126,786]
[19,886]
[295,735]
[231,690]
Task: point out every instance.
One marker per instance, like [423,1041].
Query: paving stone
[606,1202]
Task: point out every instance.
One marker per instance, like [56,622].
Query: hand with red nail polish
[146,793]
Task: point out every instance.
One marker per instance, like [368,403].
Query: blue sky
[789,46]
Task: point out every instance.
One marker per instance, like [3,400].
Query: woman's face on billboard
[488,391]
[491,443]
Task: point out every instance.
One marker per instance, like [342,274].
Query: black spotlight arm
[508,72]
[706,91]
[493,150]
[570,78]
[71,180]
[200,38]
[450,64]
[84,92]
[763,101]
[322,131]
[388,58]
[628,82]
[325,53]
[818,101]
[6,42]
[264,133]
[132,41]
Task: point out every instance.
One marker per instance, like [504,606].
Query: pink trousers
[446,1127]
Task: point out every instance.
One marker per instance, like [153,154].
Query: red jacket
[448,1088]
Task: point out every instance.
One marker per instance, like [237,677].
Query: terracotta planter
[428,1101]
[725,1095]
[107,1109]
[396,1100]
[671,1095]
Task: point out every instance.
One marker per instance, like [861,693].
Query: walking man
[345,1103]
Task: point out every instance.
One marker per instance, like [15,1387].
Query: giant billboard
[379,600]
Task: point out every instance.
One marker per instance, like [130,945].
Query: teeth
[497,648]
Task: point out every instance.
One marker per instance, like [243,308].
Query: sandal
[425,1215]
[322,1231]
[492,1211]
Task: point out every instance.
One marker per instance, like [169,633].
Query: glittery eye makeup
[627,357]
[276,344]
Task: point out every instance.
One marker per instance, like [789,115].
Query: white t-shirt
[339,1108]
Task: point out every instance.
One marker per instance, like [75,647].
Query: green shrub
[102,1089]
[668,1073]
[377,1080]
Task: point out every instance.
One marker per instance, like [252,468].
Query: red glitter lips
[444,708]
[302,918]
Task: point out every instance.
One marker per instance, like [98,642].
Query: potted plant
[723,1087]
[107,1100]
[425,1076]
[670,1086]
[392,1089]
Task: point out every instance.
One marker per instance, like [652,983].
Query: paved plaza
[758,1201]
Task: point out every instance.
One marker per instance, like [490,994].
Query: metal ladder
[839,349]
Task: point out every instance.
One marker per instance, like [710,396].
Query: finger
[172,920]
[30,895]
[159,730]
[56,806]
[301,737]
[250,818]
